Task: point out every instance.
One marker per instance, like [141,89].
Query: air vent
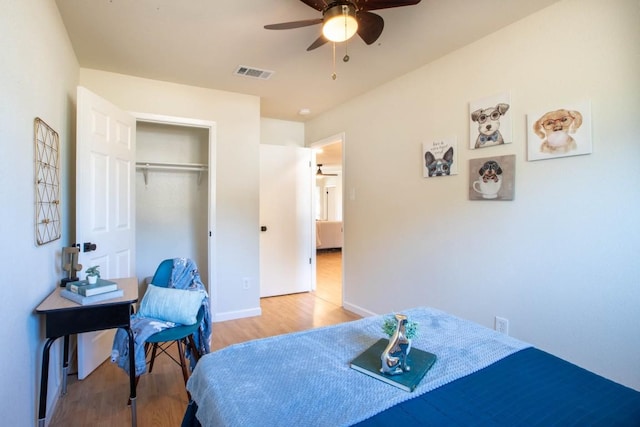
[256,73]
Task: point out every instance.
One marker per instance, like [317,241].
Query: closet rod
[170,166]
[146,166]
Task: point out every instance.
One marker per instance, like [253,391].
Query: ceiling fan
[319,173]
[341,19]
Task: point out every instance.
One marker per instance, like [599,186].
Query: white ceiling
[202,42]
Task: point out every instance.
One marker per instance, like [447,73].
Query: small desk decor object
[93,274]
[70,264]
[64,317]
[87,289]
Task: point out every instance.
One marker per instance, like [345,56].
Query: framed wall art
[492,178]
[439,157]
[560,131]
[490,121]
[47,183]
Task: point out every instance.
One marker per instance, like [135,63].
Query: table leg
[44,381]
[132,378]
[65,365]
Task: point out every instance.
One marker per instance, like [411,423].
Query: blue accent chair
[181,335]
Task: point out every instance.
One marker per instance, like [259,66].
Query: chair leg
[153,356]
[183,361]
[194,348]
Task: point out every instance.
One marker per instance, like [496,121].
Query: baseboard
[239,314]
[357,309]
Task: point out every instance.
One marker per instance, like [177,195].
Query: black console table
[64,317]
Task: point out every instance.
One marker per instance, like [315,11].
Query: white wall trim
[240,314]
[358,310]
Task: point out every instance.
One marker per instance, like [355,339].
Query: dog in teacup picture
[492,178]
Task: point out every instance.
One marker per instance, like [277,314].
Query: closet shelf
[145,167]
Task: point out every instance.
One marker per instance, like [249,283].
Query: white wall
[38,78]
[281,132]
[561,260]
[237,118]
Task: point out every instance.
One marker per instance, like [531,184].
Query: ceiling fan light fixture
[340,23]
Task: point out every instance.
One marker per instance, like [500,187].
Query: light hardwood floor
[101,399]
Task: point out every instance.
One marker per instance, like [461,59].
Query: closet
[172,195]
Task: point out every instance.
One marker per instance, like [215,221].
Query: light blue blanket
[304,379]
[184,275]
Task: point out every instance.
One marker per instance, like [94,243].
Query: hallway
[329,276]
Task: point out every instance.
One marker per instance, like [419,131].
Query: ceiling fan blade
[320,173]
[293,24]
[370,26]
[319,42]
[382,4]
[316,4]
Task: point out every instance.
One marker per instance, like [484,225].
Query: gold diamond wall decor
[47,182]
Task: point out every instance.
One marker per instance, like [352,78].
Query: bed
[480,378]
[328,234]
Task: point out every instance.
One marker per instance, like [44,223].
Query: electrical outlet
[502,325]
[245,283]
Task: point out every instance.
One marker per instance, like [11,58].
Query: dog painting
[438,158]
[559,132]
[492,178]
[488,120]
[490,123]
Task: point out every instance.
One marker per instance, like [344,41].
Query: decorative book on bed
[480,377]
[420,361]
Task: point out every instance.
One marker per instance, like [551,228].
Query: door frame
[211,282]
[334,139]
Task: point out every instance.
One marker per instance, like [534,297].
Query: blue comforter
[481,378]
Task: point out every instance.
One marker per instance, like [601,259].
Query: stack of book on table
[84,293]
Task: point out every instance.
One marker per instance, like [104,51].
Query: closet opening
[174,195]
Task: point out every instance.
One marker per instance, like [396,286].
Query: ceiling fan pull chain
[346,57]
[334,75]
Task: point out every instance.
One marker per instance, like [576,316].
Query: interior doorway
[328,213]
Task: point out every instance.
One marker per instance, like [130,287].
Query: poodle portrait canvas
[559,132]
[490,121]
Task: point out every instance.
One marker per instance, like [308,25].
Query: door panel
[286,212]
[105,208]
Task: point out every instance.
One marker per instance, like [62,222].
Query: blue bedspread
[528,388]
[483,379]
[304,379]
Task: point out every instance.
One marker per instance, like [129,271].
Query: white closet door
[105,206]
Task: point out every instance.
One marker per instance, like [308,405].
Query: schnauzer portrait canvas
[439,157]
[490,121]
[559,132]
[492,178]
